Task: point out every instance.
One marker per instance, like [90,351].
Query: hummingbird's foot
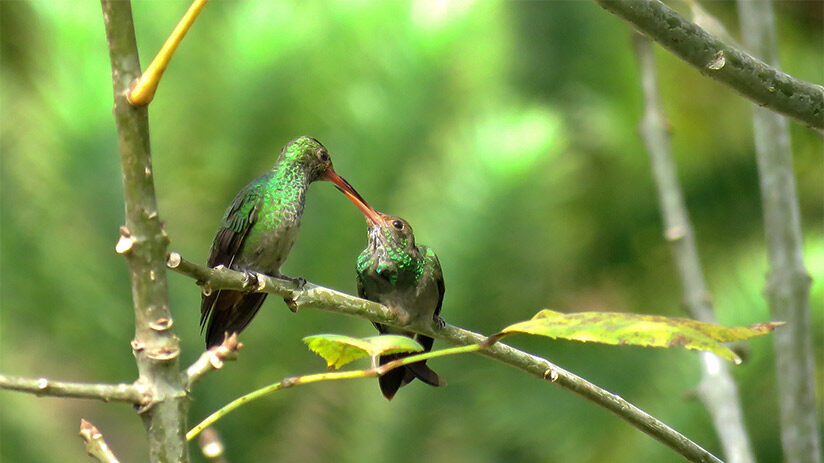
[250,280]
[438,321]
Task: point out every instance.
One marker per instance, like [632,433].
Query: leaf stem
[317,377]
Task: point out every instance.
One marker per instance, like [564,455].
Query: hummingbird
[407,278]
[259,228]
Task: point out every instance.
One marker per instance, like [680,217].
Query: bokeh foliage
[505,132]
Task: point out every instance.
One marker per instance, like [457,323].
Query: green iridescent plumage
[259,228]
[407,278]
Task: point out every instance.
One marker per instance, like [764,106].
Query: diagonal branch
[717,389]
[763,84]
[212,360]
[311,296]
[95,444]
[133,393]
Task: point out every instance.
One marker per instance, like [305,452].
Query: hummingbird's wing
[223,310]
[432,269]
[237,221]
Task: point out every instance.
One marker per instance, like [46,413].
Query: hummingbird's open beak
[345,188]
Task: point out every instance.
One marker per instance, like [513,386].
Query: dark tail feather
[228,312]
[426,374]
[394,379]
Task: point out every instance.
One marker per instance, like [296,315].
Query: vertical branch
[788,283]
[717,389]
[143,242]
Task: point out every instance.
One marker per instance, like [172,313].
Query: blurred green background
[505,132]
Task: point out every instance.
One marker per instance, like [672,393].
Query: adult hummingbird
[259,228]
[407,278]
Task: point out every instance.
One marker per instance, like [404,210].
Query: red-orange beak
[353,195]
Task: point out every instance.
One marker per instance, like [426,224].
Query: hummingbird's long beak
[353,195]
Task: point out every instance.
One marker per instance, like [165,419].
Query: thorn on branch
[161,324]
[291,303]
[288,382]
[126,241]
[163,354]
[551,374]
[137,346]
[95,445]
[211,445]
[674,234]
[717,62]
[173,260]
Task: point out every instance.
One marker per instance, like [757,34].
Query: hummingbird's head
[309,155]
[392,234]
[314,158]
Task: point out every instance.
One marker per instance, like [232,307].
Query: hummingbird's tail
[227,311]
[394,379]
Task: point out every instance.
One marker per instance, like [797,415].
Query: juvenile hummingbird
[259,228]
[407,278]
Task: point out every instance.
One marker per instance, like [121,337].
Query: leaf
[637,330]
[338,350]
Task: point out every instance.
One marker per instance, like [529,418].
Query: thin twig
[761,83]
[95,444]
[318,377]
[717,389]
[311,296]
[133,393]
[143,243]
[212,360]
[788,283]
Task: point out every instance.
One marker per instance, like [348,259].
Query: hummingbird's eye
[323,155]
[397,224]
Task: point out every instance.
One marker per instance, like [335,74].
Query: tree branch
[788,283]
[132,393]
[717,389]
[212,360]
[143,242]
[95,444]
[761,83]
[311,296]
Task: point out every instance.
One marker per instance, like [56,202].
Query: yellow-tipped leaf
[638,330]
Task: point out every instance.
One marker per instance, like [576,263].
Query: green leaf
[338,350]
[637,330]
